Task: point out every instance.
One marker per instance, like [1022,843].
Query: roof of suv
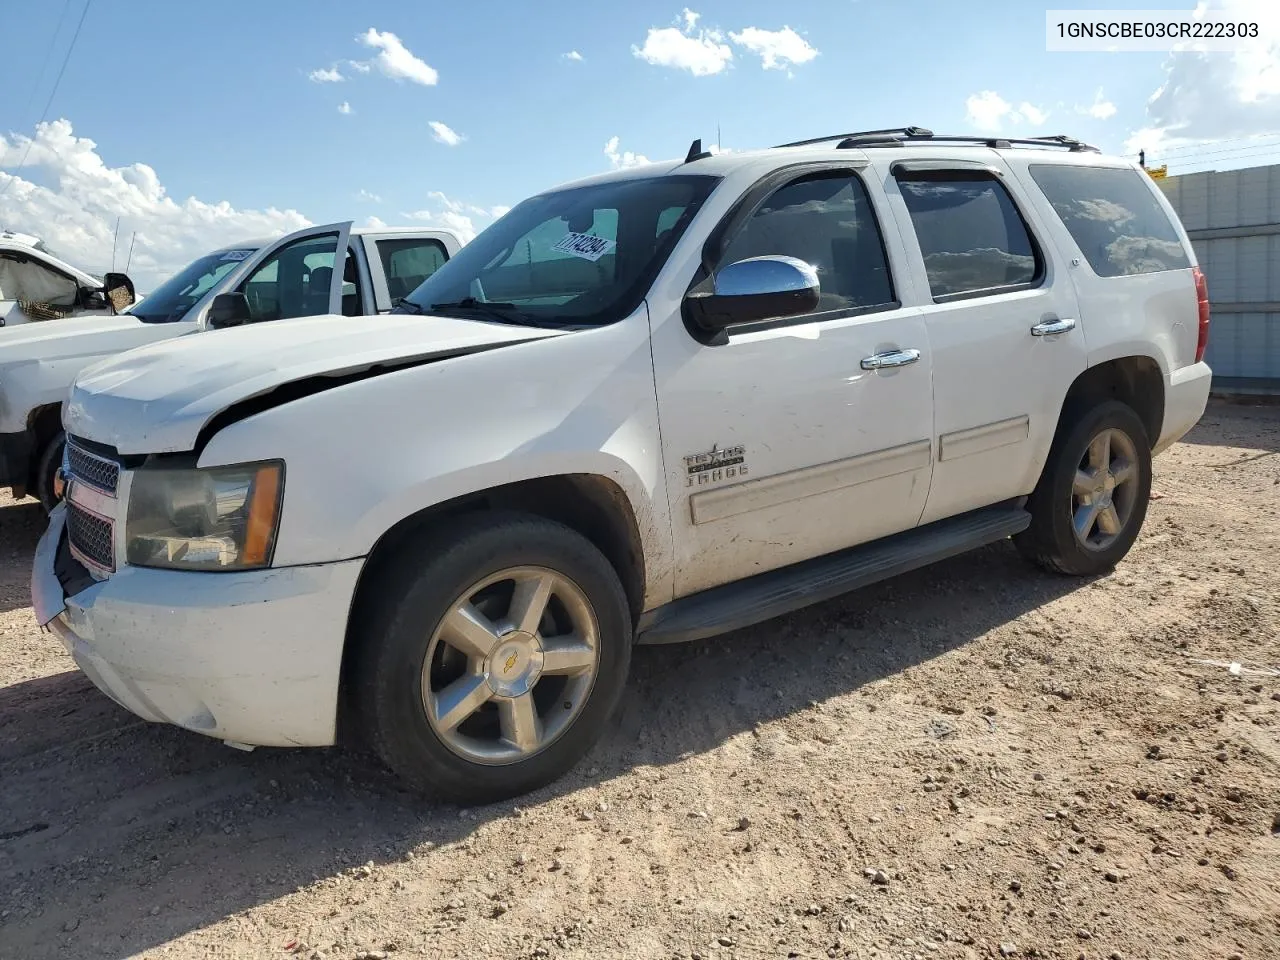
[860,148]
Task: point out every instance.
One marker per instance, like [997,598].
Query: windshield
[583,256]
[170,301]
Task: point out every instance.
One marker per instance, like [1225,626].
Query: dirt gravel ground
[976,760]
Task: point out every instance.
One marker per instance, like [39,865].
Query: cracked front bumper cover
[252,657]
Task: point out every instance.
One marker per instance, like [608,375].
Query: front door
[295,276]
[1002,323]
[786,441]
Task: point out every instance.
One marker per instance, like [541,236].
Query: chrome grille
[89,468]
[91,538]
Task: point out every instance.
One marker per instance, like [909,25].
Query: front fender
[361,457]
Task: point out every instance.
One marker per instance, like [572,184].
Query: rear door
[1002,325]
[398,263]
[1133,262]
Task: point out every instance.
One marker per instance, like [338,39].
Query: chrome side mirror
[758,288]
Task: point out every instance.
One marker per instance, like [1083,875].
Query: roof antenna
[717,138]
[696,152]
[132,237]
[114,238]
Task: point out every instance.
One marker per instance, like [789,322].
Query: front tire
[47,470]
[490,657]
[1091,501]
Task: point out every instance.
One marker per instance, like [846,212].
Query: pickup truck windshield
[582,256]
[170,301]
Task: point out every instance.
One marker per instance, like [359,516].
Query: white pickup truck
[37,286]
[244,283]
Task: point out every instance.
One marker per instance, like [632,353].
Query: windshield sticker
[236,255]
[584,245]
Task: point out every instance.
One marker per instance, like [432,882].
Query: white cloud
[702,54]
[395,60]
[442,199]
[776,48]
[1218,96]
[1100,109]
[443,133]
[1033,115]
[326,75]
[359,66]
[74,206]
[620,160]
[459,223]
[375,223]
[986,110]
[367,195]
[991,113]
[572,55]
[344,107]
[456,215]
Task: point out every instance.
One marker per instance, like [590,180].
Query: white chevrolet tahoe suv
[649,406]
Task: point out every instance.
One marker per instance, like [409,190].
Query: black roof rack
[899,131]
[901,136]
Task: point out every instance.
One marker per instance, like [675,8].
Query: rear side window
[407,261]
[972,237]
[1113,217]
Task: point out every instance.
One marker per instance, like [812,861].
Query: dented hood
[157,398]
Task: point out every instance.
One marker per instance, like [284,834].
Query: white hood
[86,336]
[157,398]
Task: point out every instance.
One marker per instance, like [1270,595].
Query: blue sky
[238,104]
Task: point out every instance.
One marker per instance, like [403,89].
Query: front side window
[972,237]
[408,261]
[23,279]
[171,301]
[292,282]
[581,256]
[825,220]
[1113,217]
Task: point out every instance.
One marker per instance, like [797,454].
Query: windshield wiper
[404,305]
[493,310]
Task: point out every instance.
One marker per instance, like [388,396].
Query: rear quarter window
[1113,217]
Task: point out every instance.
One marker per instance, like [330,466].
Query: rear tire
[489,656]
[47,470]
[1091,501]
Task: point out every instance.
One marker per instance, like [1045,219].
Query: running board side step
[777,592]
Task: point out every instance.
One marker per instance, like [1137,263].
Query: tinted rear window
[1114,218]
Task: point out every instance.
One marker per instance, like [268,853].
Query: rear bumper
[1185,396]
[250,657]
[15,461]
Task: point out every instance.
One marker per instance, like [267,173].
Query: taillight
[1202,302]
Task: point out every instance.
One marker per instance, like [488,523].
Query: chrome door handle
[1050,327]
[891,358]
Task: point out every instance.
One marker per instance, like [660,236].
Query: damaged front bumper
[250,657]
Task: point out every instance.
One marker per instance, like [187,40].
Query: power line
[1260,149]
[1211,150]
[66,5]
[49,102]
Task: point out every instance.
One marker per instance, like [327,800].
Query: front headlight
[216,518]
